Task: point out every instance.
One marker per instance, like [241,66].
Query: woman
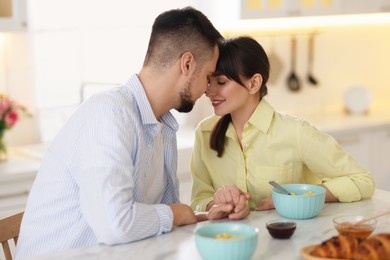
[246,143]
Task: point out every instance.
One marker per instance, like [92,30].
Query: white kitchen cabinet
[257,9]
[370,146]
[380,157]
[364,6]
[252,9]
[360,6]
[13,15]
[385,6]
[17,175]
[358,145]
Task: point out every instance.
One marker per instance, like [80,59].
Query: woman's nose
[210,90]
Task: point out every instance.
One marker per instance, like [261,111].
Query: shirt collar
[147,116]
[260,119]
[262,116]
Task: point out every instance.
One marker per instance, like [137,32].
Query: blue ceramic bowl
[241,246]
[299,206]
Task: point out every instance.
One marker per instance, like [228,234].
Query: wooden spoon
[377,215]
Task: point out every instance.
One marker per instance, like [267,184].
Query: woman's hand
[265,204]
[329,197]
[232,195]
[229,194]
[241,210]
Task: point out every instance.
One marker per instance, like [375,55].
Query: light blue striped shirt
[92,185]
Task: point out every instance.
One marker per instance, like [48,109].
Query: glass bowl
[345,226]
[281,229]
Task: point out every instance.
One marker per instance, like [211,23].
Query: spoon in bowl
[279,187]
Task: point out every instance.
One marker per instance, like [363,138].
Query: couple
[110,174]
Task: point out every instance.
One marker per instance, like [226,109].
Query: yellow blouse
[275,147]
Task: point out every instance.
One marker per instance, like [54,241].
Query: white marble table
[180,243]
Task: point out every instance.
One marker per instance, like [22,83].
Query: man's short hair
[177,31]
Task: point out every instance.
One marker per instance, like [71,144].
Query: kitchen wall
[344,56]
[90,45]
[16,80]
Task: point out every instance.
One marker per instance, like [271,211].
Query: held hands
[229,201]
[183,214]
[230,195]
[215,212]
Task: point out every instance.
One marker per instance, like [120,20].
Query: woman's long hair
[240,57]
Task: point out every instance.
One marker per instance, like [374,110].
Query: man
[110,174]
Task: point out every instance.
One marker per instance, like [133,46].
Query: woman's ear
[255,83]
[187,62]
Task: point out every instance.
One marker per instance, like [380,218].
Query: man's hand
[182,214]
[215,212]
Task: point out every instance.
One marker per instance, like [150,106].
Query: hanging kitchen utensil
[310,78]
[293,80]
[275,63]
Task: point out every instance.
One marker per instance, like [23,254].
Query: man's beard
[186,104]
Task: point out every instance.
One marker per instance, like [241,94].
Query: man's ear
[187,62]
[255,83]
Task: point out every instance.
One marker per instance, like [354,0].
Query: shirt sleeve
[339,171]
[202,189]
[107,182]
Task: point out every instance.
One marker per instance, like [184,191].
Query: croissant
[376,247]
[341,247]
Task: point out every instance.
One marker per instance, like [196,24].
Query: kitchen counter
[180,243]
[335,120]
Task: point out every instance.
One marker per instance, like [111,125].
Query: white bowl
[357,99]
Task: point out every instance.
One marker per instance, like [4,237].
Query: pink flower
[10,111]
[5,104]
[11,118]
